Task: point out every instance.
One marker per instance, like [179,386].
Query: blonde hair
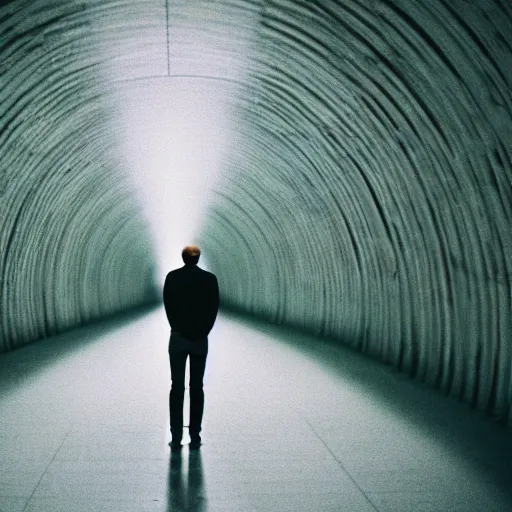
[190,254]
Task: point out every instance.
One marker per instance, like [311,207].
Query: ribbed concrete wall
[74,245]
[369,195]
[367,191]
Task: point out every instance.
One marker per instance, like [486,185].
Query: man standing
[191,300]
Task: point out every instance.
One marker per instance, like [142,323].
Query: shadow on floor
[185,487]
[20,364]
[485,444]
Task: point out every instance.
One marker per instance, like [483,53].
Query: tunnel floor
[291,423]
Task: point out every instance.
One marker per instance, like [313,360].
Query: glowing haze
[176,137]
[176,124]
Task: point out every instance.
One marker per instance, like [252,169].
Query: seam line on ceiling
[167,32]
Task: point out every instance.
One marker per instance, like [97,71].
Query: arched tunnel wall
[74,244]
[368,197]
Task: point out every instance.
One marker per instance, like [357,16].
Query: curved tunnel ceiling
[366,191]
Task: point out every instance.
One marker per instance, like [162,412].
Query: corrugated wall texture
[73,243]
[369,191]
[366,194]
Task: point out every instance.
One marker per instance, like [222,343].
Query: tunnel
[361,192]
[345,166]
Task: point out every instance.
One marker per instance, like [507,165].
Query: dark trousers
[197,365]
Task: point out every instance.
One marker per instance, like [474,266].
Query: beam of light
[175,129]
[175,137]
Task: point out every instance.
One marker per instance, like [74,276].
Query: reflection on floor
[292,423]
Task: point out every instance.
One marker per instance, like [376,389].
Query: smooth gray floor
[292,423]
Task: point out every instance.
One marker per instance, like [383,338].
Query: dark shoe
[195,442]
[194,445]
[175,446]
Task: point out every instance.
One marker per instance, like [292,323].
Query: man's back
[191,300]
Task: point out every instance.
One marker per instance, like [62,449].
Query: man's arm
[213,306]
[168,298]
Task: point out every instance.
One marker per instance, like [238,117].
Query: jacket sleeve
[168,297]
[213,304]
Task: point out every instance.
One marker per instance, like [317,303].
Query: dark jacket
[191,300]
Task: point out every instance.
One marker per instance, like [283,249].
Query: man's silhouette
[191,300]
